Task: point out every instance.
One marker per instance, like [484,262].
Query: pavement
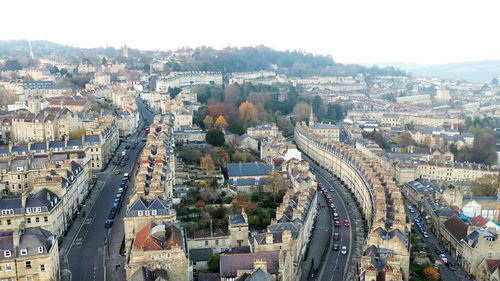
[89,251]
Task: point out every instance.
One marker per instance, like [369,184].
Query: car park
[335,247]
[343,251]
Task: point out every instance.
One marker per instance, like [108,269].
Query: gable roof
[248,169]
[492,264]
[456,227]
[230,264]
[479,221]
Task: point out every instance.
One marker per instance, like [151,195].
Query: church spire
[311,118]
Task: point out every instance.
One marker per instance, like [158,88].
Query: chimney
[211,229]
[269,238]
[48,196]
[286,237]
[260,263]
[16,237]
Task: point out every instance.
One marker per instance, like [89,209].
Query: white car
[343,250]
[443,257]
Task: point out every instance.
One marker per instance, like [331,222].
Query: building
[264,131]
[245,176]
[32,255]
[477,246]
[325,131]
[234,266]
[160,246]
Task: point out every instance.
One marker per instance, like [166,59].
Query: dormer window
[40,250]
[6,253]
[38,209]
[24,252]
[146,213]
[153,212]
[140,213]
[28,210]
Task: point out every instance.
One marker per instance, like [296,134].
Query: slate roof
[20,149]
[77,143]
[6,243]
[208,277]
[11,204]
[457,227]
[35,237]
[248,169]
[90,140]
[161,206]
[39,147]
[4,151]
[57,144]
[196,255]
[238,219]
[473,237]
[45,199]
[229,264]
[257,275]
[247,182]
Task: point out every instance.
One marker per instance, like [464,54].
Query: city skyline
[360,32]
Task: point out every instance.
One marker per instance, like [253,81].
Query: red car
[336,224]
[336,236]
[320,184]
[330,200]
[346,223]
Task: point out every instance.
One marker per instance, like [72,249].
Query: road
[85,255]
[433,244]
[334,260]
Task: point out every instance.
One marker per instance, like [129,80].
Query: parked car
[438,252]
[108,223]
[112,213]
[425,235]
[94,177]
[122,164]
[336,224]
[343,251]
[117,172]
[443,258]
[335,247]
[346,223]
[331,189]
[336,236]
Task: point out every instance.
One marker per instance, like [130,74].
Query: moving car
[343,251]
[330,200]
[425,235]
[335,216]
[117,172]
[94,177]
[108,223]
[335,247]
[336,224]
[331,189]
[443,258]
[346,223]
[336,236]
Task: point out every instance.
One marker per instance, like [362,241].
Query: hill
[473,71]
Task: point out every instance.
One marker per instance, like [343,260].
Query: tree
[486,185]
[285,125]
[404,139]
[431,273]
[232,94]
[104,61]
[301,111]
[218,109]
[174,91]
[77,135]
[208,122]
[221,123]
[215,137]
[276,183]
[248,112]
[146,68]
[12,65]
[483,149]
[316,105]
[214,263]
[427,140]
[9,97]
[207,163]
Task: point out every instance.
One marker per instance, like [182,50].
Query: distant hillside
[292,63]
[473,71]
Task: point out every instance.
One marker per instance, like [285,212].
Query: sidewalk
[320,240]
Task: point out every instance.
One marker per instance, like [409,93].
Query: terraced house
[386,251]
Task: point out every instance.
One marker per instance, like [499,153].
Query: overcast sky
[419,31]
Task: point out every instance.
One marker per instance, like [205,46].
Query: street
[84,256]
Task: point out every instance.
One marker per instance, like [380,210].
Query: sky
[351,31]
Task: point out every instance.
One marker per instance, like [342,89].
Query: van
[125,175]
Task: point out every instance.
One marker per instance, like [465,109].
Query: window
[28,264]
[24,252]
[28,220]
[199,243]
[216,242]
[6,253]
[19,186]
[40,250]
[45,219]
[25,176]
[206,243]
[8,267]
[18,177]
[8,222]
[42,267]
[37,219]
[29,278]
[223,242]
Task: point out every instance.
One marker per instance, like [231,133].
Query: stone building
[477,246]
[32,255]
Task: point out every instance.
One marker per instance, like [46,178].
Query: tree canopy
[215,137]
